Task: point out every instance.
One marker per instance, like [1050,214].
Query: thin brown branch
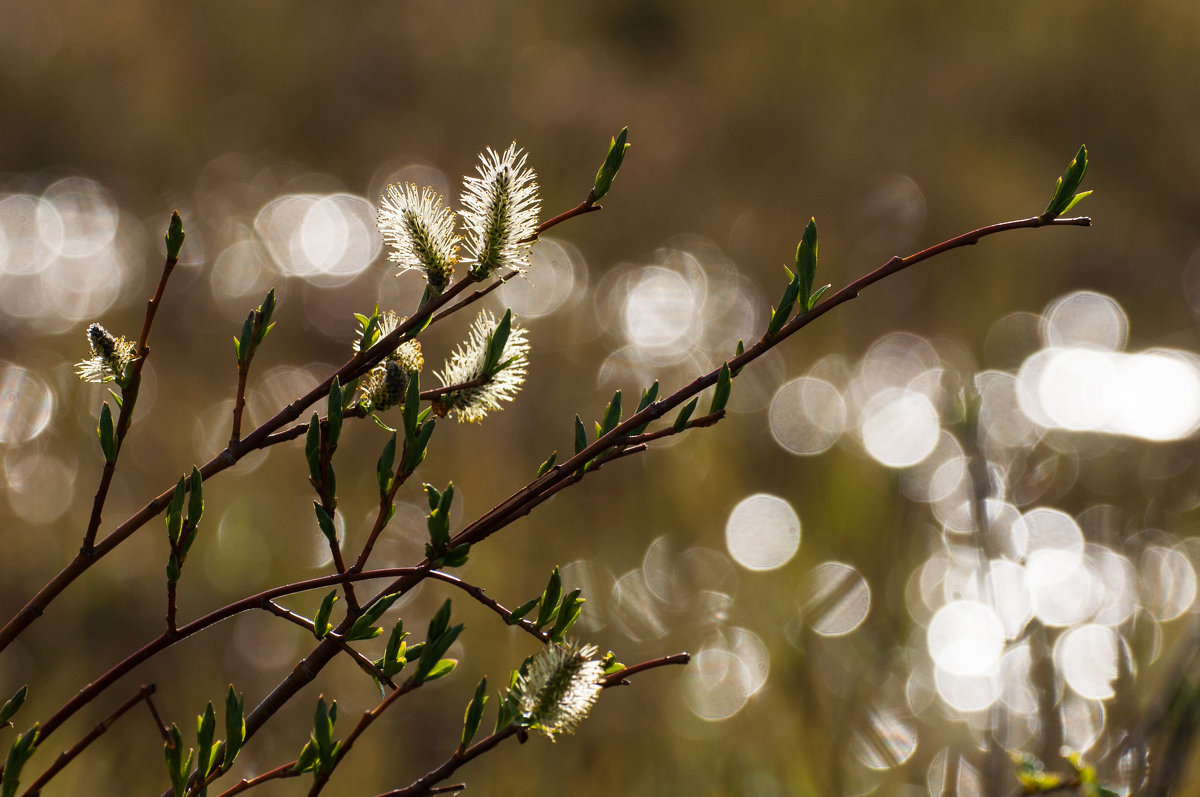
[164,641]
[278,773]
[67,756]
[364,664]
[426,783]
[363,723]
[129,395]
[357,365]
[478,594]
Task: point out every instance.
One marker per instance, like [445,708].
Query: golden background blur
[896,125]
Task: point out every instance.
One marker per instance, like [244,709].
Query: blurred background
[879,597]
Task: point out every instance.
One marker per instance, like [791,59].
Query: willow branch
[67,756]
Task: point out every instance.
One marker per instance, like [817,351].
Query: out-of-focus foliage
[274,127]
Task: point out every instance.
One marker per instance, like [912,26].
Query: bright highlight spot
[899,427]
[834,599]
[965,638]
[1087,657]
[1154,395]
[763,532]
[807,416]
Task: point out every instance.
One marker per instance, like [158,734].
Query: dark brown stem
[586,206]
[158,721]
[164,641]
[67,756]
[425,784]
[383,516]
[364,664]
[478,594]
[357,365]
[282,771]
[128,401]
[502,514]
[364,722]
[476,295]
[435,393]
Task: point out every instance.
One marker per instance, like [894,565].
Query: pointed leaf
[721,393]
[383,468]
[321,624]
[1064,191]
[684,414]
[107,434]
[610,167]
[474,713]
[806,263]
[549,599]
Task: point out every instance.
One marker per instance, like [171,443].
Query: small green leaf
[363,626]
[195,498]
[522,610]
[440,621]
[416,453]
[547,465]
[325,521]
[787,303]
[20,752]
[383,468]
[817,294]
[265,310]
[568,613]
[333,429]
[394,655]
[321,625]
[178,765]
[1064,191]
[806,263]
[549,599]
[684,414]
[612,416]
[496,344]
[307,760]
[206,727]
[242,344]
[648,397]
[412,407]
[741,349]
[610,167]
[456,556]
[10,707]
[175,512]
[721,393]
[312,449]
[441,669]
[580,435]
[174,237]
[431,655]
[474,713]
[107,434]
[235,724]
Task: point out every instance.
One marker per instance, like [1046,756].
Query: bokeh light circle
[807,416]
[763,532]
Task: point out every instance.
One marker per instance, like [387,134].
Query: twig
[353,368]
[364,664]
[364,722]
[129,394]
[478,594]
[424,784]
[67,756]
[164,641]
[282,771]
